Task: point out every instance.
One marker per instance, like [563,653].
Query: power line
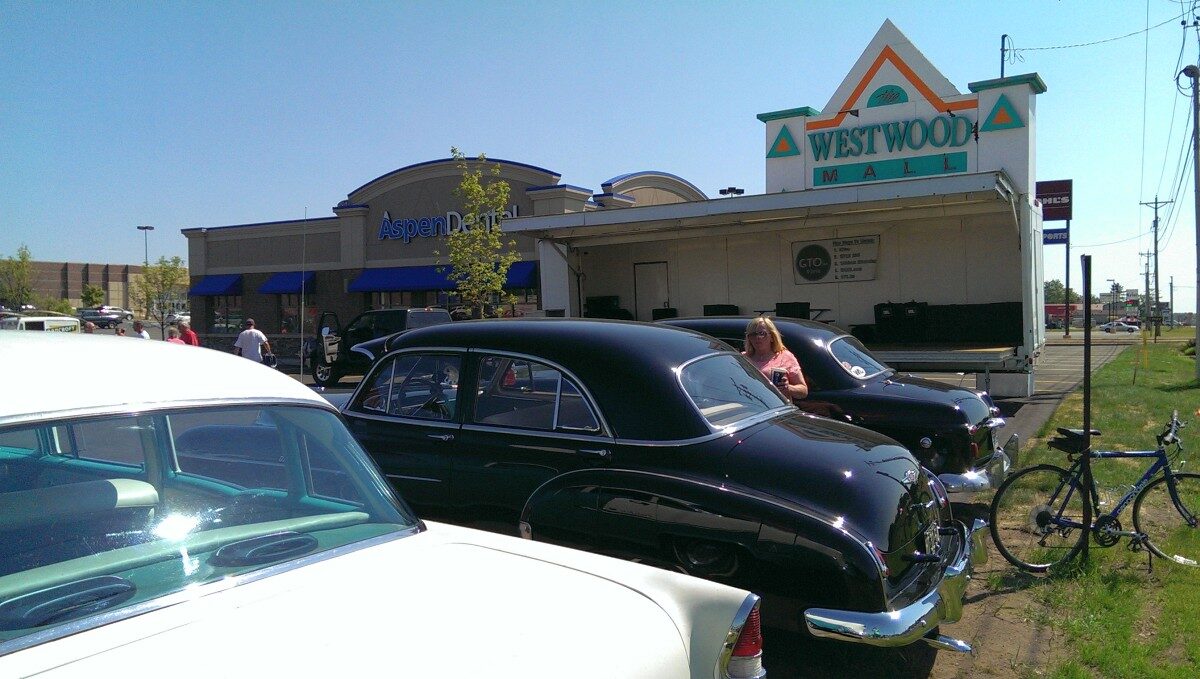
[1100,42]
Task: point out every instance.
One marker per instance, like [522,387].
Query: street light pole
[145,229]
[1193,72]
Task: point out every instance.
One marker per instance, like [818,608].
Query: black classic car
[662,445]
[952,430]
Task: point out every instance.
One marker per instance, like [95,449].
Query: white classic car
[208,516]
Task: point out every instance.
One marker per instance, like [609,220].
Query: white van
[39,321]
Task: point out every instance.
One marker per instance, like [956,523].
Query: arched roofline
[449,167]
[666,180]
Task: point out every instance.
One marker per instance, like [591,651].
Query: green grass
[1117,618]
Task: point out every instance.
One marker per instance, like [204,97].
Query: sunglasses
[758,333]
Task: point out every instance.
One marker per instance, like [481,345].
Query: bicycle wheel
[1038,517]
[1167,533]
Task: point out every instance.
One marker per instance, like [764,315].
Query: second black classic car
[953,431]
[662,445]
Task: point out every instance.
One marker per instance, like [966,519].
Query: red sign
[1055,197]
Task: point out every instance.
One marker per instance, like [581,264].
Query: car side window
[530,395]
[423,386]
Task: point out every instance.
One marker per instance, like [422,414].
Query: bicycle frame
[1161,464]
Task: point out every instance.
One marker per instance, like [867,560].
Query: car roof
[49,371]
[627,366]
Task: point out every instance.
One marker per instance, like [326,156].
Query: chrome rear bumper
[989,476]
[916,622]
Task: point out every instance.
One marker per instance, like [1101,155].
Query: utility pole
[1172,321]
[1157,313]
[1146,292]
[1193,72]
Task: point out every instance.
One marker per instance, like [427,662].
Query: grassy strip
[1117,618]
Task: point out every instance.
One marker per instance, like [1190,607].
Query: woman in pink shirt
[764,348]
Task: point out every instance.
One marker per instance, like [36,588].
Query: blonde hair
[766,324]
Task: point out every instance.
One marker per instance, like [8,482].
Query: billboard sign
[1056,236]
[1055,197]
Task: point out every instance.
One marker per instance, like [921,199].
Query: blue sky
[186,114]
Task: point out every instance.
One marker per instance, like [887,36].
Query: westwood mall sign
[917,134]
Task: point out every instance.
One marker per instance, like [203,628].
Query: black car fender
[648,516]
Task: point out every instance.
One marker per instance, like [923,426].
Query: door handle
[603,454]
[441,437]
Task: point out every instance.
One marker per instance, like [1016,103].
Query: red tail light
[744,660]
[749,642]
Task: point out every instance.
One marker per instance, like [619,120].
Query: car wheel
[323,373]
[707,559]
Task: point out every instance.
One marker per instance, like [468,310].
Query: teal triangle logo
[783,145]
[1003,117]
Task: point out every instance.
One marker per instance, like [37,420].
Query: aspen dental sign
[875,142]
[406,229]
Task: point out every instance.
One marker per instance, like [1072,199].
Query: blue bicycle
[1039,518]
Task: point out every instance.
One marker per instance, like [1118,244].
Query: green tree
[478,253]
[1055,290]
[160,282]
[92,295]
[59,305]
[16,278]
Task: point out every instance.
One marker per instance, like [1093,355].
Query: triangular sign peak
[1004,116]
[783,145]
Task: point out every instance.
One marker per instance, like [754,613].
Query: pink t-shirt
[175,340]
[784,359]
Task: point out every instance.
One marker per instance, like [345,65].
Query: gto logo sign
[835,260]
[813,262]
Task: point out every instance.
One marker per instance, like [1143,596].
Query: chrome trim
[537,433]
[962,487]
[412,478]
[735,630]
[942,605]
[364,415]
[191,592]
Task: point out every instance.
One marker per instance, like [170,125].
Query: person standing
[764,347]
[139,330]
[173,336]
[251,343]
[188,335]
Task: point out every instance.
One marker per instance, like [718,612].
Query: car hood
[851,477]
[450,602]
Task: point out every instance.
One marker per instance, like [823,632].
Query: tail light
[743,659]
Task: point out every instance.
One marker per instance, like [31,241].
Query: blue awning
[397,278]
[288,283]
[217,286]
[522,275]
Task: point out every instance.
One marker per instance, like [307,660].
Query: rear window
[726,389]
[424,319]
[855,359]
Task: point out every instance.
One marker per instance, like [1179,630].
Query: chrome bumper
[989,476]
[915,622]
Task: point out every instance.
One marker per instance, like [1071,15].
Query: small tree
[58,305]
[479,256]
[16,274]
[92,295]
[160,281]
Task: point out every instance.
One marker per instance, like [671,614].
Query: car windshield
[104,513]
[855,359]
[727,389]
[424,319]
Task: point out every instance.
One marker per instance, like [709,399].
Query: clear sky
[189,114]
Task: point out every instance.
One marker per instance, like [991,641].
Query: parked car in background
[329,354]
[176,317]
[1118,326]
[229,512]
[953,431]
[102,318]
[662,445]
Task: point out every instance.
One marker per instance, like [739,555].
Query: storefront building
[901,194]
[381,248]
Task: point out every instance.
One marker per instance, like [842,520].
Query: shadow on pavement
[790,654]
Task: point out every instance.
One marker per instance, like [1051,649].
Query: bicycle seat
[1075,433]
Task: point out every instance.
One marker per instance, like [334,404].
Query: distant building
[65,280]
